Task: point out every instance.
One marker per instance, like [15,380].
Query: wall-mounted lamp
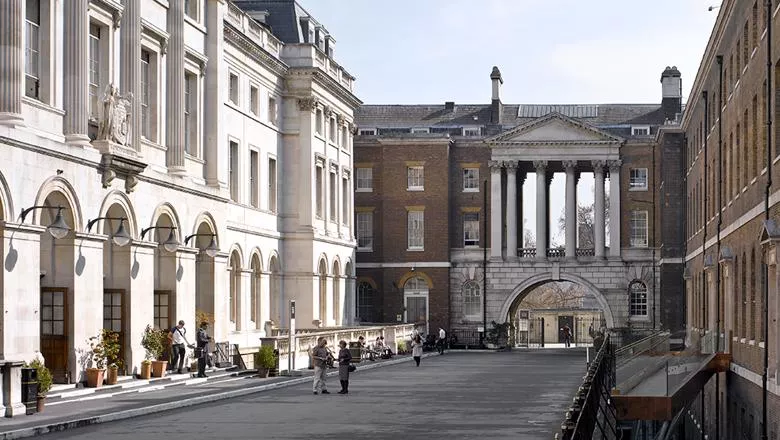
[211,249]
[58,228]
[120,237]
[171,244]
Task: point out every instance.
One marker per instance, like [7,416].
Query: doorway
[565,320]
[54,331]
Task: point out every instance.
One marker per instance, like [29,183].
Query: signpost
[291,342]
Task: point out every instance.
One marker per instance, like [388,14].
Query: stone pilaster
[11,61]
[175,89]
[541,208]
[614,208]
[130,78]
[571,208]
[213,146]
[496,215]
[511,209]
[598,210]
[76,66]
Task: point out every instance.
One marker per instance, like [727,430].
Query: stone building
[439,209]
[167,157]
[731,219]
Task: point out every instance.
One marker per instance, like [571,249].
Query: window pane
[365,178]
[415,229]
[415,178]
[365,234]
[58,314]
[471,229]
[46,313]
[46,328]
[471,178]
[59,298]
[58,328]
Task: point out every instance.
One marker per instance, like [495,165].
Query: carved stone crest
[308,103]
[115,121]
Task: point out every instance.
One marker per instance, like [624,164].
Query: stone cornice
[320,77]
[240,41]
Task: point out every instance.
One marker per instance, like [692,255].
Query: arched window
[472,300]
[235,291]
[416,301]
[637,305]
[254,300]
[365,302]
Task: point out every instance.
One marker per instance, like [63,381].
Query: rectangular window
[319,121]
[365,179]
[332,129]
[233,88]
[415,178]
[470,179]
[333,197]
[640,131]
[160,314]
[472,131]
[420,130]
[318,183]
[272,110]
[638,299]
[415,230]
[343,138]
[253,175]
[254,100]
[471,229]
[637,179]
[365,231]
[344,201]
[368,132]
[638,228]
[191,114]
[32,49]
[272,184]
[146,95]
[94,70]
[233,170]
[191,9]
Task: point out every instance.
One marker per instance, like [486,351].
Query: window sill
[152,144]
[637,189]
[415,249]
[639,318]
[415,189]
[364,190]
[365,250]
[470,190]
[194,23]
[638,246]
[189,156]
[42,105]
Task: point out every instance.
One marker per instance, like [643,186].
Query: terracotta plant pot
[95,377]
[112,376]
[40,403]
[158,368]
[146,370]
[263,372]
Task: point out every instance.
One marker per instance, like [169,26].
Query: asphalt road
[517,395]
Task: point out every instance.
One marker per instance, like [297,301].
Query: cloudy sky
[549,52]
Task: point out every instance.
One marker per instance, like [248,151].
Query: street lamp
[58,228]
[211,249]
[120,237]
[171,244]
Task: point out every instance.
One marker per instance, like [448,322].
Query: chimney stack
[496,108]
[671,93]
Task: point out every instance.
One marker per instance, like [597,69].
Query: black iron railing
[464,338]
[592,414]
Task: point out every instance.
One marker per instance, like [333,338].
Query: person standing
[345,360]
[178,341]
[202,352]
[319,356]
[417,349]
[442,339]
[566,335]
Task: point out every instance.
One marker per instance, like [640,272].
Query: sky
[548,51]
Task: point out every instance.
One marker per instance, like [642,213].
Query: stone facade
[208,205]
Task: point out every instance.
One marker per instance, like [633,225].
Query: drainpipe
[484,263]
[703,255]
[765,268]
[718,227]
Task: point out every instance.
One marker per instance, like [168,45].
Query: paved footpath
[461,395]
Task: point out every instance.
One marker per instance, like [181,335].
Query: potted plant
[112,348]
[265,360]
[498,335]
[44,382]
[154,341]
[96,362]
[146,369]
[401,347]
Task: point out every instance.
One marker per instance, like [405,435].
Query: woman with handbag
[345,366]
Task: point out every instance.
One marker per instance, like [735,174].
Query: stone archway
[521,291]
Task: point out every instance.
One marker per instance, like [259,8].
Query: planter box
[146,370]
[158,368]
[112,376]
[95,377]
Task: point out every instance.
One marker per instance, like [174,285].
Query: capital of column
[308,103]
[495,166]
[569,165]
[510,165]
[540,165]
[598,165]
[614,165]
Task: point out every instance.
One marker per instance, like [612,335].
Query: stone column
[174,114]
[614,208]
[214,153]
[495,209]
[598,209]
[571,208]
[11,61]
[521,176]
[511,209]
[130,78]
[541,208]
[76,72]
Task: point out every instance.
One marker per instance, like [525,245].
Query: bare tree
[529,241]
[555,295]
[586,238]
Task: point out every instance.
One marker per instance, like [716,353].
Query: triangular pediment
[555,128]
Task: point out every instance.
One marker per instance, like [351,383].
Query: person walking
[566,335]
[417,349]
[442,340]
[202,338]
[319,356]
[345,361]
[178,351]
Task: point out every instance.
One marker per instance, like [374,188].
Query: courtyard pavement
[488,395]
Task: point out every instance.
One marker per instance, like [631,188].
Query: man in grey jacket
[319,356]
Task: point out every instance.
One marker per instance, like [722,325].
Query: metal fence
[592,415]
[465,338]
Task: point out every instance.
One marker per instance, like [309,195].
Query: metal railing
[658,341]
[526,252]
[556,253]
[592,414]
[464,338]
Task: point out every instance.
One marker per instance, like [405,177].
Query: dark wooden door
[565,321]
[54,331]
[113,316]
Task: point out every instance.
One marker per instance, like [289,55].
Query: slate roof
[283,17]
[400,116]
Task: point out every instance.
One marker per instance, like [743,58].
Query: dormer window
[420,130]
[471,131]
[640,130]
[367,132]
